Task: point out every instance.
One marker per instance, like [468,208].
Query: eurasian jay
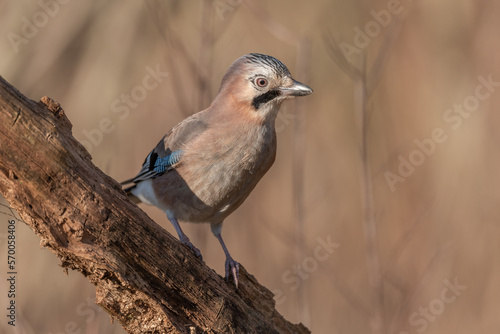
[207,165]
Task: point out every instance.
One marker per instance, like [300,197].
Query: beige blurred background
[437,222]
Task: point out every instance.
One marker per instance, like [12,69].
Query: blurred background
[380,214]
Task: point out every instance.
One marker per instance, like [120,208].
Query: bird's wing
[169,150]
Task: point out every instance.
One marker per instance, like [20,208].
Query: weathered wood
[144,277]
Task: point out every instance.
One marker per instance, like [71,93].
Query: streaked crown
[264,60]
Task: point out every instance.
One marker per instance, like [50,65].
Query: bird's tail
[130,195]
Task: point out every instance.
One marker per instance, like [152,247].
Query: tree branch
[144,277]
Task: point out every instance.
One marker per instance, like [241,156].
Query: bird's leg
[182,237]
[232,267]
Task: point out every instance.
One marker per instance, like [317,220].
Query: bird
[206,166]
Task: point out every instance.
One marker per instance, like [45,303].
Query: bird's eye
[261,82]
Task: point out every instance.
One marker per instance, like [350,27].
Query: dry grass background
[441,224]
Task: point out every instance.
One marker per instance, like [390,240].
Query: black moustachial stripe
[264,98]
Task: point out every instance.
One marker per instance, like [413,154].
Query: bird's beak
[296,89]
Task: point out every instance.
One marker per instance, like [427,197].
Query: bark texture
[144,277]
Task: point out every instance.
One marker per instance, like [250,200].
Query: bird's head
[259,83]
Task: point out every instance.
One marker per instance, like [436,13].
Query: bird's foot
[195,250]
[232,269]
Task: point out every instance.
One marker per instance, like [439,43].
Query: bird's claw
[196,252]
[232,269]
[193,249]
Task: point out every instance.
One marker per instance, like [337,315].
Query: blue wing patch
[161,165]
[155,166]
